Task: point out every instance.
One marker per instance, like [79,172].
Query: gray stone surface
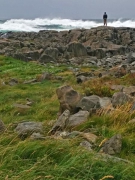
[77,119]
[27,128]
[119,98]
[68,98]
[86,145]
[89,103]
[113,145]
[61,122]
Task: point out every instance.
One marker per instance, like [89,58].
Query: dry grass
[119,116]
[107,177]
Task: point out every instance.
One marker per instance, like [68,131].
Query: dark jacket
[105,16]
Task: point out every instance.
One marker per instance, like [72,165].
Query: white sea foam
[58,24]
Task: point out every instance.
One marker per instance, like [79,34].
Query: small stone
[86,145]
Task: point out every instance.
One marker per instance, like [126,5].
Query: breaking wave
[59,24]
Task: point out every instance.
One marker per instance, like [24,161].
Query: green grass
[58,159]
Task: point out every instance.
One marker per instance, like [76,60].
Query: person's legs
[105,22]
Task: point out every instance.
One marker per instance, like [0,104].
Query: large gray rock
[25,129]
[113,145]
[120,98]
[20,56]
[131,57]
[44,58]
[68,98]
[89,103]
[77,49]
[61,122]
[67,121]
[129,90]
[98,52]
[53,52]
[77,119]
[32,55]
[105,102]
[4,43]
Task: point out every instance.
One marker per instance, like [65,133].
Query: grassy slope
[57,159]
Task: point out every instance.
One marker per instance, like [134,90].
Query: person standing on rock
[105,19]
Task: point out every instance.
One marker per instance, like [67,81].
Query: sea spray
[59,24]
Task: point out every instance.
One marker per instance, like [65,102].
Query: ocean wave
[59,24]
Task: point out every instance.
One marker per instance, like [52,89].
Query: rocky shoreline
[62,46]
[107,47]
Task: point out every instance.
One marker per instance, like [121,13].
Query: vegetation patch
[59,159]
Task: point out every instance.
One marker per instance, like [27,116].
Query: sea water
[59,24]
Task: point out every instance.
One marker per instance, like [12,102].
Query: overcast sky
[73,9]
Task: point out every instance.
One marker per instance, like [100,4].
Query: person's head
[104,12]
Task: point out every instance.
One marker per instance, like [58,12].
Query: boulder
[89,103]
[25,129]
[77,119]
[98,52]
[53,52]
[113,145]
[67,121]
[76,49]
[68,99]
[20,56]
[61,122]
[44,58]
[105,102]
[32,55]
[120,98]
[129,90]
[131,57]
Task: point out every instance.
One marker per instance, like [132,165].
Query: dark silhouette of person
[105,19]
